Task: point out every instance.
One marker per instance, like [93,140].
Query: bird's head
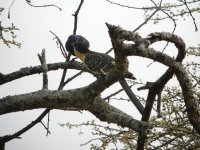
[79,42]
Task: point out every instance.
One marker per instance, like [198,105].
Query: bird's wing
[99,62]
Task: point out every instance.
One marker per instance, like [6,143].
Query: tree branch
[60,45]
[7,138]
[76,16]
[70,98]
[140,48]
[4,78]
[50,5]
[182,77]
[190,12]
[42,58]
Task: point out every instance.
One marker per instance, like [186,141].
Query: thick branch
[121,61]
[110,114]
[70,98]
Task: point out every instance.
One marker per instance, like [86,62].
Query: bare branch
[7,138]
[62,82]
[50,5]
[146,20]
[60,45]
[38,69]
[132,7]
[47,128]
[42,58]
[10,8]
[195,25]
[170,18]
[73,77]
[76,16]
[167,15]
[113,94]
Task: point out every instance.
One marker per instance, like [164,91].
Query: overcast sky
[34,25]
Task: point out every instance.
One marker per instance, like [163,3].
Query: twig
[172,30]
[195,25]
[10,8]
[7,138]
[48,121]
[62,82]
[166,143]
[145,22]
[121,5]
[60,45]
[166,14]
[91,141]
[76,16]
[73,77]
[50,5]
[113,94]
[173,15]
[42,58]
[110,50]
[61,86]
[151,7]
[48,132]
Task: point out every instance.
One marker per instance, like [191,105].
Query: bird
[83,43]
[97,62]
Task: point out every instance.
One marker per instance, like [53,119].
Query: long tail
[131,95]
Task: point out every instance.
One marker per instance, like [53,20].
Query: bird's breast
[80,55]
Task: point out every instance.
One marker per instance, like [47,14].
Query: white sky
[34,25]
